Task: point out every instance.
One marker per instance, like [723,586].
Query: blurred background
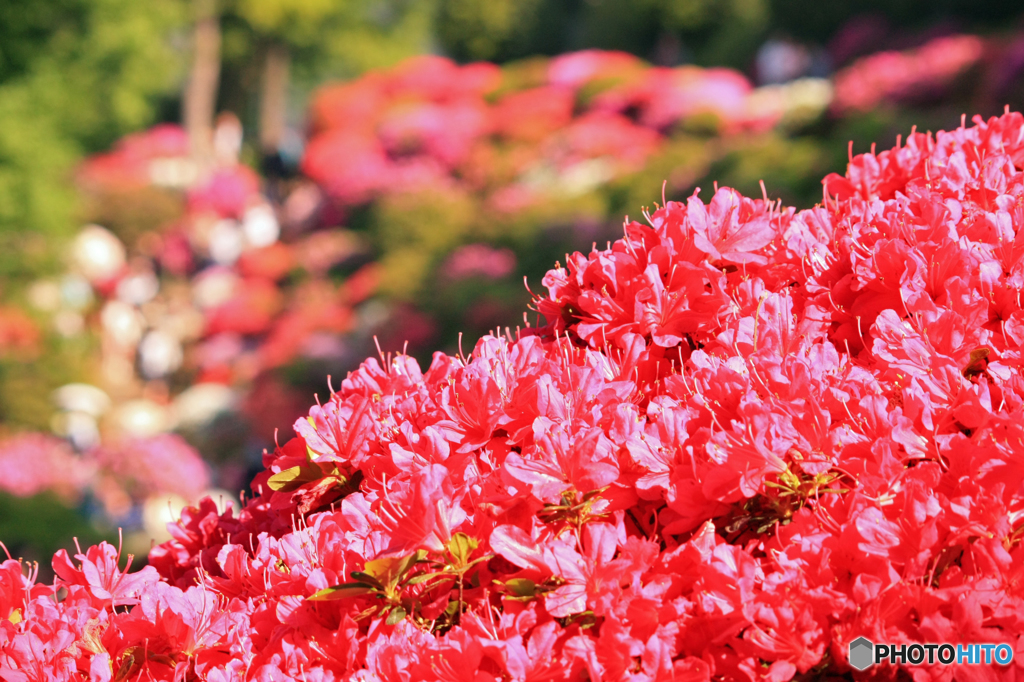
[207,207]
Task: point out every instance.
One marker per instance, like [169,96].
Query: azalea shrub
[892,77]
[502,152]
[742,436]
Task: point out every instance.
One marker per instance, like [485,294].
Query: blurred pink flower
[440,80]
[532,115]
[598,134]
[431,123]
[227,193]
[575,69]
[160,464]
[479,260]
[897,75]
[444,132]
[128,165]
[692,91]
[34,463]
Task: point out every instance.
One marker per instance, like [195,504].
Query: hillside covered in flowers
[742,436]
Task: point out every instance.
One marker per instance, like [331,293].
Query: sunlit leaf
[294,477]
[343,591]
[461,547]
[522,587]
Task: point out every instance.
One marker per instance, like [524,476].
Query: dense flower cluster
[34,463]
[745,436]
[581,118]
[118,474]
[890,77]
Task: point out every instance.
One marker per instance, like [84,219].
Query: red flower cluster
[432,123]
[746,436]
[131,163]
[34,463]
[898,76]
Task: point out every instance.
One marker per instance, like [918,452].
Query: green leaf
[422,578]
[294,478]
[474,562]
[367,578]
[978,362]
[385,570]
[461,547]
[388,571]
[343,591]
[522,587]
[396,616]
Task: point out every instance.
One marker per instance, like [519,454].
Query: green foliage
[501,30]
[35,527]
[74,75]
[411,229]
[26,386]
[818,21]
[34,163]
[719,32]
[323,39]
[372,35]
[705,31]
[27,25]
[326,37]
[790,168]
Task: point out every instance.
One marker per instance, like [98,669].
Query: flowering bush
[550,115]
[430,122]
[888,77]
[34,463]
[116,474]
[506,152]
[745,436]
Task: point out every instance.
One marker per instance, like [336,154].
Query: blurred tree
[817,21]
[500,30]
[74,75]
[199,100]
[77,74]
[706,32]
[318,39]
[665,31]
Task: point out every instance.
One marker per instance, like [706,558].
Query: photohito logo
[863,654]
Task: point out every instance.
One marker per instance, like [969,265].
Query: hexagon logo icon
[862,653]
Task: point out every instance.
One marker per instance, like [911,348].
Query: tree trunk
[200,100]
[274,98]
